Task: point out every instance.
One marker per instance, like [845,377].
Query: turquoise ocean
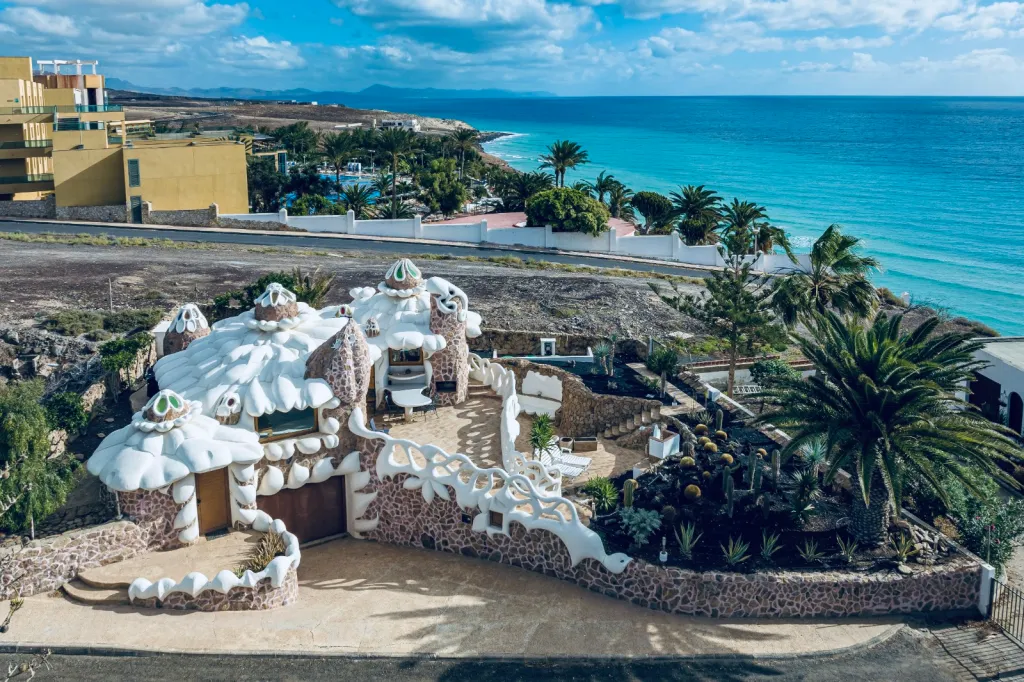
[934,186]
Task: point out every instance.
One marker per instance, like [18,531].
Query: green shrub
[603,492]
[65,411]
[98,335]
[124,321]
[889,298]
[764,372]
[567,210]
[34,484]
[639,524]
[656,209]
[311,289]
[268,547]
[74,322]
[120,354]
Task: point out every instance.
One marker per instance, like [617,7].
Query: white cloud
[720,38]
[859,62]
[986,22]
[992,61]
[258,52]
[49,24]
[826,43]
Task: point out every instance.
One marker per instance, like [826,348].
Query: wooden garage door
[314,511]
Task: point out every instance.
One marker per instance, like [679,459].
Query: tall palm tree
[338,149]
[585,187]
[740,220]
[699,211]
[357,198]
[395,144]
[885,402]
[602,184]
[619,197]
[463,140]
[561,156]
[768,236]
[837,280]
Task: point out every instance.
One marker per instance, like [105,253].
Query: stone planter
[586,444]
[565,443]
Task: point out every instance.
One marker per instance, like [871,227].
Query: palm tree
[463,140]
[740,220]
[357,198]
[585,187]
[885,402]
[602,185]
[619,197]
[663,361]
[381,183]
[561,156]
[396,144]
[699,211]
[338,148]
[837,280]
[767,236]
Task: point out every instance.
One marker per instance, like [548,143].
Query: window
[134,180]
[496,519]
[279,425]
[446,386]
[407,357]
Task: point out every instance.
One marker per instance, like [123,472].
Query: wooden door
[314,511]
[212,500]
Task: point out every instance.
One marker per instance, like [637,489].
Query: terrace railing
[62,109]
[26,144]
[26,179]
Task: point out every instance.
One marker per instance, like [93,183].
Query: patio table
[409,399]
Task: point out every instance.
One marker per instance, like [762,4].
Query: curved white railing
[503,382]
[195,582]
[431,470]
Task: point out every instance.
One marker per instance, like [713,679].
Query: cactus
[669,514]
[730,496]
[628,490]
[776,468]
[725,459]
[721,435]
[687,463]
[700,429]
[689,449]
[719,419]
[751,468]
[755,485]
[692,493]
[710,447]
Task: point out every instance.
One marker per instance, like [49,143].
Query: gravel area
[41,278]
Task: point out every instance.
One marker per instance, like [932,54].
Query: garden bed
[807,519]
[624,382]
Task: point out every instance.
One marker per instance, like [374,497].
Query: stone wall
[452,362]
[406,519]
[46,564]
[202,217]
[507,342]
[155,512]
[583,413]
[260,598]
[241,224]
[97,214]
[36,208]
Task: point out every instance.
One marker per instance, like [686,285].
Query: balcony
[26,183]
[23,149]
[61,109]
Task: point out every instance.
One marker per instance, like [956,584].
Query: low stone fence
[202,217]
[242,224]
[407,519]
[583,413]
[262,597]
[97,214]
[40,208]
[46,564]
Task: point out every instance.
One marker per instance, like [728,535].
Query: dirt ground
[42,278]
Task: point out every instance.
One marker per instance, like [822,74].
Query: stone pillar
[343,361]
[452,363]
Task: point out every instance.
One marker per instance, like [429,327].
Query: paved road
[908,657]
[348,244]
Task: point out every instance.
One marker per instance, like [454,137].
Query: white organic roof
[154,454]
[403,315]
[263,362]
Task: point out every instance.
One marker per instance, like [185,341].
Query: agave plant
[687,537]
[810,553]
[769,545]
[847,548]
[603,492]
[736,552]
[904,547]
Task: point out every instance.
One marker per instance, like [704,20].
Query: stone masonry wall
[406,519]
[155,512]
[36,208]
[46,564]
[202,217]
[451,363]
[241,224]
[507,342]
[97,214]
[583,413]
[263,597]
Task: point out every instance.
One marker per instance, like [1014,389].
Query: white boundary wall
[665,247]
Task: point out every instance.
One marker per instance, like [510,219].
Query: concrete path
[361,598]
[322,240]
[686,403]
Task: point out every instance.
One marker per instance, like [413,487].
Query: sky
[568,47]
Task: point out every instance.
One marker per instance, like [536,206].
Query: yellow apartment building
[60,138]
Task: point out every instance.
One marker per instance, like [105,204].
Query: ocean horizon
[933,185]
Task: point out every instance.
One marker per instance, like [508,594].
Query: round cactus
[700,429]
[710,447]
[725,459]
[721,435]
[687,463]
[704,440]
[692,492]
[762,452]
[706,475]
